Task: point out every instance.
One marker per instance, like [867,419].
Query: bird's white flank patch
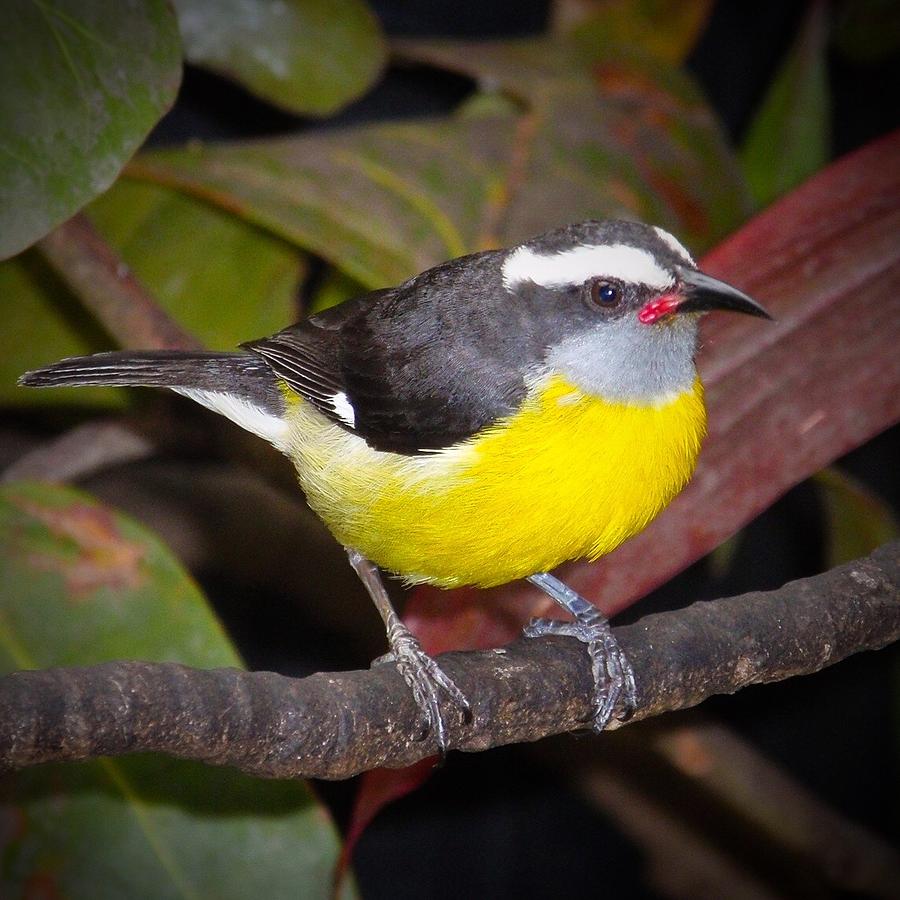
[344,408]
[271,428]
[581,263]
[674,244]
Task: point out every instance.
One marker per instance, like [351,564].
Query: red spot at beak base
[659,308]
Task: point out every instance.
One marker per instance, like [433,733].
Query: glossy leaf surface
[81,584]
[236,283]
[785,398]
[84,81]
[594,138]
[306,56]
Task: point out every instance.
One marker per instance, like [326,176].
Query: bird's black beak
[703,293]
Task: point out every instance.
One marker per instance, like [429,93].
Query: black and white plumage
[421,366]
[400,370]
[554,343]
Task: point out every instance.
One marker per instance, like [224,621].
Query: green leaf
[789,139]
[488,104]
[594,138]
[380,202]
[84,81]
[306,56]
[666,29]
[43,322]
[720,559]
[223,279]
[333,288]
[856,519]
[81,584]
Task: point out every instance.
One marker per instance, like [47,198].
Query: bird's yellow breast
[568,475]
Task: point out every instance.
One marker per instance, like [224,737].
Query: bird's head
[621,302]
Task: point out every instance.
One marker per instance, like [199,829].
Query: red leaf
[377,789]
[785,399]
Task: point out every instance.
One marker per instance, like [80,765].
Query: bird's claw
[428,681]
[615,693]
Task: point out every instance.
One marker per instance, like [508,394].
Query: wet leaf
[84,81]
[597,137]
[306,56]
[236,283]
[81,584]
[789,139]
[857,520]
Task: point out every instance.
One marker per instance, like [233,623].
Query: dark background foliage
[507,823]
[529,820]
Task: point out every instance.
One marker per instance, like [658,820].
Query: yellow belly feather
[568,476]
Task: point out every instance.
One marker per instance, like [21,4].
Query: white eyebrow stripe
[581,263]
[674,244]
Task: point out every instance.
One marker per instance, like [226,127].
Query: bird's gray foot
[615,693]
[428,682]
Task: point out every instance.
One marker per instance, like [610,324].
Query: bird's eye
[605,293]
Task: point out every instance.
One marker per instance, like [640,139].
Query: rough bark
[334,725]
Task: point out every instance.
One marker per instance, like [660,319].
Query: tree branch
[80,452]
[334,725]
[109,289]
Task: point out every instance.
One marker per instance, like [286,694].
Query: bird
[482,422]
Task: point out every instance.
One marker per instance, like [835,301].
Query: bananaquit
[484,421]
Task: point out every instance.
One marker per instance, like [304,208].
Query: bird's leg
[426,678]
[614,687]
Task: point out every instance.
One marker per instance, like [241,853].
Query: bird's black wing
[306,357]
[415,368]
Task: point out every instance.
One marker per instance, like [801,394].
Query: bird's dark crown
[664,247]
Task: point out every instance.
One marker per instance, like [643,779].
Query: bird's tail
[240,386]
[149,368]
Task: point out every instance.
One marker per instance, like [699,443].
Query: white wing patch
[674,244]
[344,408]
[271,428]
[578,265]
